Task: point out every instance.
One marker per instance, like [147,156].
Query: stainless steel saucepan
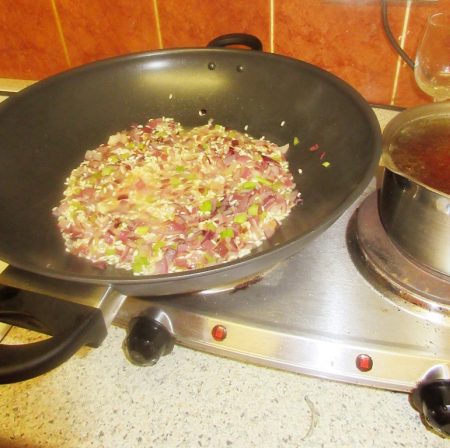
[415,215]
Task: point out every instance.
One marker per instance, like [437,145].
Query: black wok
[46,129]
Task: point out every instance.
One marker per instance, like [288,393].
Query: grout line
[60,32]
[402,45]
[272,26]
[158,24]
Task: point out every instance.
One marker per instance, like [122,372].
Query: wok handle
[237,39]
[71,325]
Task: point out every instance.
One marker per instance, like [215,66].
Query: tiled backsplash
[41,37]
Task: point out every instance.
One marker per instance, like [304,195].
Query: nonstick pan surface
[46,129]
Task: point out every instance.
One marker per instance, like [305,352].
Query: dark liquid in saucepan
[422,151]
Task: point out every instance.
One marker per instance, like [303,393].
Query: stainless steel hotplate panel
[314,313]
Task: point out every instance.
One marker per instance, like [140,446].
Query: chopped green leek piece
[326,164]
[179,168]
[277,157]
[210,226]
[110,251]
[263,180]
[93,178]
[156,247]
[296,141]
[227,233]
[240,218]
[113,159]
[124,155]
[209,258]
[206,206]
[107,170]
[249,185]
[140,261]
[277,185]
[253,210]
[175,181]
[141,230]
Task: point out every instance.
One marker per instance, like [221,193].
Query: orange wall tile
[30,46]
[42,37]
[344,37]
[196,22]
[97,29]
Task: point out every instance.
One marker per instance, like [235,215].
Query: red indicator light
[364,363]
[219,332]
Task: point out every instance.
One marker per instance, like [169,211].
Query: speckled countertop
[192,399]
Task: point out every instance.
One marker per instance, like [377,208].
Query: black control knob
[432,400]
[147,340]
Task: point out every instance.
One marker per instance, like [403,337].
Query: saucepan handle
[70,325]
[237,39]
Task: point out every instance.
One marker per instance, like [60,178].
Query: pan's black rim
[287,246]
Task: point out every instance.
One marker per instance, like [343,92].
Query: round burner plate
[388,268]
